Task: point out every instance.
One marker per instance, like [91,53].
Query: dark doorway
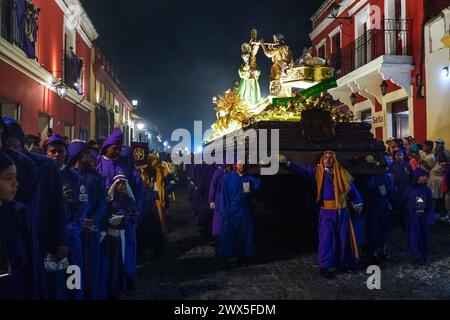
[400,119]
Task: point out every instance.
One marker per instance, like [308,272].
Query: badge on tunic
[83,194]
[246,186]
[420,204]
[382,189]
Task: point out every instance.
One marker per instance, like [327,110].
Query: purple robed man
[204,211]
[215,199]
[237,237]
[27,173]
[109,165]
[80,158]
[419,215]
[337,240]
[76,199]
[402,173]
[21,268]
[48,209]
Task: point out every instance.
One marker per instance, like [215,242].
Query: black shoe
[421,263]
[328,273]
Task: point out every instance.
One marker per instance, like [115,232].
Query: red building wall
[34,98]
[50,37]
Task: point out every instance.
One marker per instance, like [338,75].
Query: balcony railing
[73,71]
[390,37]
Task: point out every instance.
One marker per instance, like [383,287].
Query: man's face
[57,152]
[426,148]
[113,151]
[406,143]
[87,161]
[121,187]
[422,180]
[439,145]
[240,168]
[399,157]
[328,160]
[8,184]
[14,144]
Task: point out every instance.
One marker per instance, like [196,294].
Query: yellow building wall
[437,80]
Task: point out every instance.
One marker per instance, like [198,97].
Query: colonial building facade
[52,76]
[437,64]
[112,107]
[44,47]
[376,49]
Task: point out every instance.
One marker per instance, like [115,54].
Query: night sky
[174,55]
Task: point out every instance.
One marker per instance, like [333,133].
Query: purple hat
[419,172]
[14,129]
[116,138]
[75,150]
[55,139]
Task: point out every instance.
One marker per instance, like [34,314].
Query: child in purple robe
[21,266]
[419,215]
[117,244]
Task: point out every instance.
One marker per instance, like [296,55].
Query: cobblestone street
[189,268]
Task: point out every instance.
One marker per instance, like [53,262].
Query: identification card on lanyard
[420,205]
[246,186]
[382,189]
[83,197]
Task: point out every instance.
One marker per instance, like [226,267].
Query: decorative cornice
[365,80]
[327,22]
[86,28]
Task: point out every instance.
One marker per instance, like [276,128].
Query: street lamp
[135,103]
[61,88]
[445,72]
[383,87]
[334,11]
[353,98]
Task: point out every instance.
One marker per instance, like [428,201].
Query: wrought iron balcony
[390,37]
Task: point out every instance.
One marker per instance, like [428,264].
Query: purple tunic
[19,249]
[237,238]
[215,195]
[419,215]
[335,250]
